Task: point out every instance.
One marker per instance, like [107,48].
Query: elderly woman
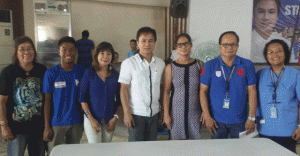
[182,114]
[21,119]
[100,96]
[279,94]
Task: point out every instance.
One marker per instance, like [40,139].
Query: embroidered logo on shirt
[202,71]
[218,73]
[240,72]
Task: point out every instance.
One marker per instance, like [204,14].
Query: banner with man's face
[274,19]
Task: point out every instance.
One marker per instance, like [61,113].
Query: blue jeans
[226,130]
[17,146]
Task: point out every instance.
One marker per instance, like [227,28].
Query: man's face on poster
[265,17]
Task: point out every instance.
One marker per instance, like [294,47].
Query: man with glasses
[226,81]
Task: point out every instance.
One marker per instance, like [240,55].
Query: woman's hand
[111,124]
[296,134]
[6,133]
[95,124]
[48,134]
[168,121]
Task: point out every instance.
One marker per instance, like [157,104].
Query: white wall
[111,22]
[117,23]
[208,19]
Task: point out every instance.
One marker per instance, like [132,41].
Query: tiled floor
[120,135]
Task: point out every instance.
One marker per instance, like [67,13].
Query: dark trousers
[228,130]
[145,128]
[287,142]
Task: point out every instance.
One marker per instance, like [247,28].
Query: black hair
[146,30]
[255,2]
[183,35]
[287,52]
[133,40]
[17,42]
[229,32]
[85,33]
[103,46]
[67,39]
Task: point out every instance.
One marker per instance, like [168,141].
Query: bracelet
[116,116]
[87,113]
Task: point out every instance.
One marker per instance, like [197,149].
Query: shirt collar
[142,58]
[237,60]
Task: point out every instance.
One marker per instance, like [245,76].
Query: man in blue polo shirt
[133,50]
[225,81]
[64,125]
[85,47]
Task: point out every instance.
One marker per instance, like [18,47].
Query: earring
[110,67]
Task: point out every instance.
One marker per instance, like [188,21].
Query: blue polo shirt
[130,53]
[288,94]
[243,76]
[103,98]
[63,85]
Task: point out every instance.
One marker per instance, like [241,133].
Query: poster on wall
[275,19]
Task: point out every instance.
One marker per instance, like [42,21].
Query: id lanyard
[227,81]
[275,85]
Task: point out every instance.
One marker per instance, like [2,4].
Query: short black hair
[287,52]
[133,40]
[85,33]
[67,39]
[229,32]
[146,30]
[255,2]
[183,35]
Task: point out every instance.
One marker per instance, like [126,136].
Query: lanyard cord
[227,81]
[275,85]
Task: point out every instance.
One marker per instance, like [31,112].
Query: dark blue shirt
[84,47]
[103,98]
[243,76]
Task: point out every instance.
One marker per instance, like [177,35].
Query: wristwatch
[251,118]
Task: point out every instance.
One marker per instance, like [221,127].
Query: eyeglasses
[23,50]
[272,52]
[180,45]
[226,45]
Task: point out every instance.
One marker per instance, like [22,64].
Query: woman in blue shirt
[100,96]
[279,94]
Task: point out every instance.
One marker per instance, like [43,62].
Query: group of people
[56,105]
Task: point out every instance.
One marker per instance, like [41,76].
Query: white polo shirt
[144,81]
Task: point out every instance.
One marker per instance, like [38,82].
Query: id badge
[226,103]
[273,112]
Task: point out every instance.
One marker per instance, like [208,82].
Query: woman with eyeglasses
[181,79]
[21,101]
[278,94]
[100,96]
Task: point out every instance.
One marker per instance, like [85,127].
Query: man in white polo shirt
[140,79]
